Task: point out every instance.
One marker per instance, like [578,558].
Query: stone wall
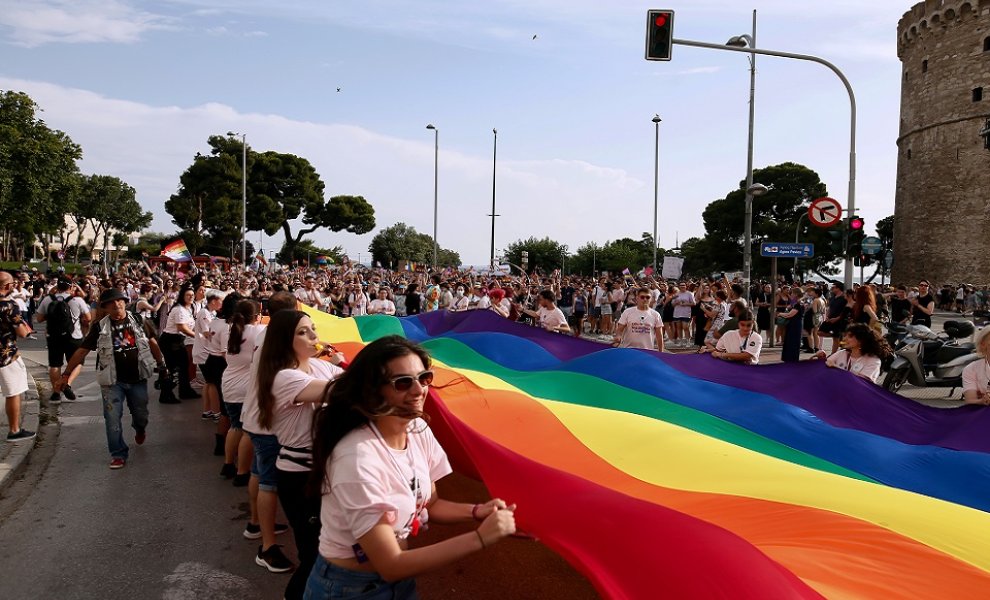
[942,204]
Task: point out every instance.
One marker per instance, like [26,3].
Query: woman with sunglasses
[291,383]
[376,464]
[863,351]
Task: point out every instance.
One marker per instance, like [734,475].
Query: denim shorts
[234,412]
[330,582]
[266,448]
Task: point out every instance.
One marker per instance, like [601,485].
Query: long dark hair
[276,354]
[355,398]
[245,313]
[871,343]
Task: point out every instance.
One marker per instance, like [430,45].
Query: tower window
[977,94]
[924,66]
[909,154]
[986,44]
[905,75]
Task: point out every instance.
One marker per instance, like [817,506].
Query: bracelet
[481,539]
[474,512]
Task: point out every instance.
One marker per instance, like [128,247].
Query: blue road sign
[871,245]
[786,250]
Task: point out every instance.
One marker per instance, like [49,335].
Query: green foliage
[281,188]
[37,168]
[614,256]
[402,242]
[544,254]
[108,205]
[775,216]
[307,250]
[885,231]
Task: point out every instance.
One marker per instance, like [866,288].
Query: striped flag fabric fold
[177,251]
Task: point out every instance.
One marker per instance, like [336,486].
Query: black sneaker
[20,436]
[253,532]
[69,394]
[55,398]
[228,470]
[273,560]
[241,479]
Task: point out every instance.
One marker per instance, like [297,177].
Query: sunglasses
[403,383]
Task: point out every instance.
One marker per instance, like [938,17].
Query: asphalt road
[167,526]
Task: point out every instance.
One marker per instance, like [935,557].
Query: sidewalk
[12,456]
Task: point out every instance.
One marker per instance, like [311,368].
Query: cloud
[36,22]
[542,196]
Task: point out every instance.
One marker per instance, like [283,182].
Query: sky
[142,85]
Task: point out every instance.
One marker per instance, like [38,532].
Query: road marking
[195,580]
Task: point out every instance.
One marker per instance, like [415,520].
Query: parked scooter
[927,359]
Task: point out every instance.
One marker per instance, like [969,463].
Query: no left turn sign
[825,212]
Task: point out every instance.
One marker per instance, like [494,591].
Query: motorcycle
[924,358]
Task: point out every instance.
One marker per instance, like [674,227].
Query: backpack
[59,318]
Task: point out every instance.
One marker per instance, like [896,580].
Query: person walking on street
[66,318]
[13,373]
[126,355]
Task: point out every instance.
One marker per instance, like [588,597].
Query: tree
[402,242]
[37,167]
[775,215]
[885,231]
[544,255]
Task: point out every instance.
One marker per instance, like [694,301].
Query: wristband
[481,539]
[474,512]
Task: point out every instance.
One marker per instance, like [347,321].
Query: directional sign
[61,254]
[825,212]
[786,250]
[871,245]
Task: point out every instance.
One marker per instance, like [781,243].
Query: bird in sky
[338,90]
[534,37]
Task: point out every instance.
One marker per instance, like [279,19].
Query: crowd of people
[292,419]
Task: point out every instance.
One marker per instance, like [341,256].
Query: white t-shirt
[218,338]
[249,410]
[77,308]
[682,305]
[309,297]
[238,372]
[293,423]
[178,315]
[368,480]
[461,303]
[551,319]
[867,367]
[975,376]
[200,347]
[358,303]
[733,343]
[640,328]
[381,307]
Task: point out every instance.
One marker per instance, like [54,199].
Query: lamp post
[753,191]
[493,215]
[797,232]
[656,186]
[741,41]
[243,195]
[436,174]
[852,113]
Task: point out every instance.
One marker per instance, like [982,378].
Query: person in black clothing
[791,350]
[922,306]
[837,316]
[413,301]
[900,306]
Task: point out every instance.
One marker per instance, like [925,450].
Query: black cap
[111,295]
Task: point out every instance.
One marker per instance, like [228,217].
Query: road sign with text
[786,250]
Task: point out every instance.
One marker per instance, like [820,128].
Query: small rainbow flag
[177,251]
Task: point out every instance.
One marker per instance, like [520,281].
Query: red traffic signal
[856,224]
[659,34]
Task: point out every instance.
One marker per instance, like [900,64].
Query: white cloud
[536,197]
[36,22]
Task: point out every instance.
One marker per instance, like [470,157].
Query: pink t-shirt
[293,423]
[249,411]
[237,375]
[368,480]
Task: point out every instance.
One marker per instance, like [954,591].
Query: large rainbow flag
[677,476]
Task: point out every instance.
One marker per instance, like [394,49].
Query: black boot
[218,448]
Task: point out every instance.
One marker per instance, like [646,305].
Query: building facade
[942,204]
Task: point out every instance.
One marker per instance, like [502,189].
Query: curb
[14,456]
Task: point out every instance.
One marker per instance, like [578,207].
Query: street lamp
[436,174]
[493,215]
[656,187]
[243,195]
[741,41]
[753,191]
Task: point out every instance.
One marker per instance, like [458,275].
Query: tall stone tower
[942,213]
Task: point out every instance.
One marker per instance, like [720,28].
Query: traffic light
[837,239]
[659,34]
[857,232]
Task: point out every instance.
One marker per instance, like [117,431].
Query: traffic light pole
[852,119]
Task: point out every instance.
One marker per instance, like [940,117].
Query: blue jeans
[330,582]
[114,396]
[266,449]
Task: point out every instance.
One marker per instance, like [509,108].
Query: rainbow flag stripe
[177,251]
[677,476]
